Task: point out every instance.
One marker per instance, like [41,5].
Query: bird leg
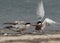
[21,32]
[41,31]
[34,32]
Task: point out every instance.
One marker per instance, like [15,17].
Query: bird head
[28,24]
[39,22]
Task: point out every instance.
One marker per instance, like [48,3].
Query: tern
[23,27]
[20,27]
[40,14]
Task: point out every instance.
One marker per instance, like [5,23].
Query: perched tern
[23,27]
[20,27]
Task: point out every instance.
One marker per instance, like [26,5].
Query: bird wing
[11,23]
[40,10]
[48,21]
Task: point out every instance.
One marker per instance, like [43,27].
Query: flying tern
[40,14]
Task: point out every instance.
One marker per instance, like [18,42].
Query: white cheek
[39,24]
[28,25]
[5,34]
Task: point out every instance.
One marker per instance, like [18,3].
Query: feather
[40,10]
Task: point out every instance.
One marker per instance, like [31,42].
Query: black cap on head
[27,23]
[39,22]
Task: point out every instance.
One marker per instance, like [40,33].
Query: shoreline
[30,38]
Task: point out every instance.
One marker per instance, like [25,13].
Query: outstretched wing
[40,10]
[48,21]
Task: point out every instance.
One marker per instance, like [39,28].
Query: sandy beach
[48,38]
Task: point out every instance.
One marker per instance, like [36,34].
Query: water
[12,10]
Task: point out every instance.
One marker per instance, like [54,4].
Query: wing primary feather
[40,10]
